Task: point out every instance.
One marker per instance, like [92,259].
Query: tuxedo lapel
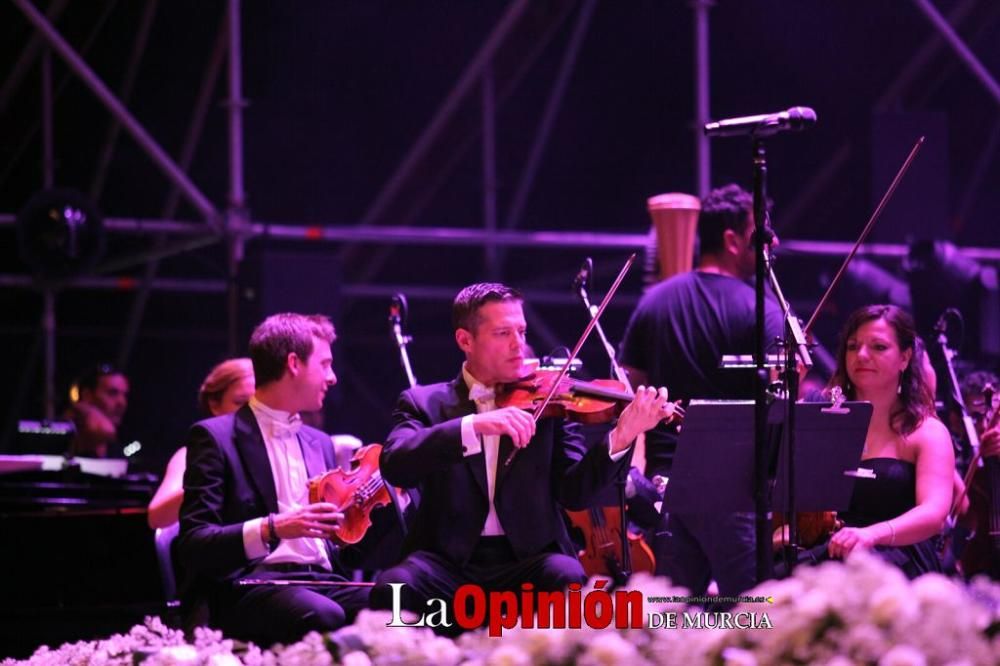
[250,444]
[458,406]
[312,453]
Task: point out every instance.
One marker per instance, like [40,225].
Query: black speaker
[275,279]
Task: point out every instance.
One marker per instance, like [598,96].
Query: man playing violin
[481,519]
[246,510]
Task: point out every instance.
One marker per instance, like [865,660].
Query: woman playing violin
[907,448]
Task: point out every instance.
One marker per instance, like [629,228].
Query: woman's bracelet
[892,533]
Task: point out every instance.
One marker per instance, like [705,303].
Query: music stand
[713,464]
[830,442]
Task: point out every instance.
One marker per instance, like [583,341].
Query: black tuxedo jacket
[228,480]
[424,451]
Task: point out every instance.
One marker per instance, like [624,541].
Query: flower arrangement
[859,612]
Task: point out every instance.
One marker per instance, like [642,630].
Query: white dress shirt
[291,484]
[489,446]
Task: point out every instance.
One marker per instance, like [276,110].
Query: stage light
[60,234]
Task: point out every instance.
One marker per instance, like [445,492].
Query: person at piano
[481,520]
[99,399]
[246,511]
[899,509]
[227,387]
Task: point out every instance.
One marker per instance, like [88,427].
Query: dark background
[339,91]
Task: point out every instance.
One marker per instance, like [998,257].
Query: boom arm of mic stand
[608,347]
[404,357]
[791,321]
[626,562]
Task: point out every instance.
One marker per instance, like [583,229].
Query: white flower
[608,648]
[839,660]
[440,651]
[356,658]
[738,657]
[508,655]
[175,655]
[903,655]
[892,604]
[223,659]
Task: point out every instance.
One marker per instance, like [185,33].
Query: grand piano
[77,557]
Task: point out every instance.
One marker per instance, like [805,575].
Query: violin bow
[296,582]
[867,230]
[579,344]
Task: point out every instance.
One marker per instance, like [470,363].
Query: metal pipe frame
[960,48]
[702,112]
[127,284]
[28,136]
[237,215]
[195,126]
[464,84]
[125,94]
[48,134]
[552,106]
[826,174]
[106,97]
[489,115]
[452,236]
[27,57]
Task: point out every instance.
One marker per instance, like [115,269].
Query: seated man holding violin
[492,478]
[246,511]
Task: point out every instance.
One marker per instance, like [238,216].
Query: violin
[355,493]
[981,553]
[587,402]
[601,528]
[814,527]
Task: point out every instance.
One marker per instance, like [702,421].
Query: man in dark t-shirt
[676,338]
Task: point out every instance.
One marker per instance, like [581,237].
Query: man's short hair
[726,207]
[282,334]
[465,309]
[91,376]
[974,382]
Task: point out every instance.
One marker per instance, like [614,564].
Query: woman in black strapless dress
[897,513]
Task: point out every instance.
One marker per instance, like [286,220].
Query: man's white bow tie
[289,428]
[480,393]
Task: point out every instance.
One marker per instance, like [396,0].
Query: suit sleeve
[579,474]
[416,448]
[205,544]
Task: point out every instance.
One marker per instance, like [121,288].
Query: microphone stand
[620,482]
[796,347]
[395,321]
[957,402]
[616,368]
[762,236]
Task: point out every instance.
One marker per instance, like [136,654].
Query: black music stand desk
[713,465]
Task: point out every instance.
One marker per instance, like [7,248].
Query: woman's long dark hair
[916,400]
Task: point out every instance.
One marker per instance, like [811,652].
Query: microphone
[397,311]
[582,279]
[794,119]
